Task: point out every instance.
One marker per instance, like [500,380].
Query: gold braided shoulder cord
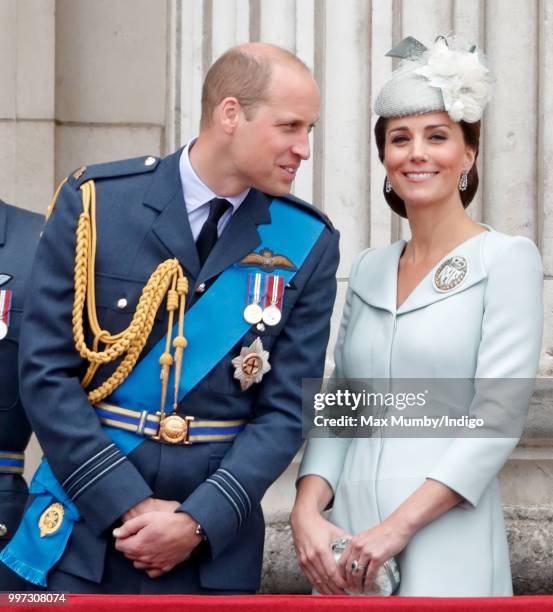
[167,280]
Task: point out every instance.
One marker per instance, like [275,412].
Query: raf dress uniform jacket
[19,232]
[487,329]
[141,221]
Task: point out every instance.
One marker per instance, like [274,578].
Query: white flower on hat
[465,82]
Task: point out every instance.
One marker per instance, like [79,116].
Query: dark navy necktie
[208,234]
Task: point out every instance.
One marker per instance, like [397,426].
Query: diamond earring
[463,180]
[387,185]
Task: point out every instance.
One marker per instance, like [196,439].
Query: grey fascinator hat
[450,76]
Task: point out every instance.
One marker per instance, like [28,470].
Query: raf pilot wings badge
[267,261]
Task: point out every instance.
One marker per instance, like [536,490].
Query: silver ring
[355,566]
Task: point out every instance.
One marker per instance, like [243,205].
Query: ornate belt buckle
[174,429]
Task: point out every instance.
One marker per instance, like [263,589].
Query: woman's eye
[437,137]
[399,139]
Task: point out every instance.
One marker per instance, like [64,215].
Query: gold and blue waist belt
[11,463]
[172,428]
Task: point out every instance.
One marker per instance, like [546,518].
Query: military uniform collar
[376,279]
[165,185]
[173,229]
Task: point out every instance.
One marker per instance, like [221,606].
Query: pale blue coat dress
[489,326]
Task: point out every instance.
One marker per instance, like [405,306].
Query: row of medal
[264,299]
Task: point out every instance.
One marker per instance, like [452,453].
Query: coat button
[150,161]
[3,530]
[122,303]
[200,288]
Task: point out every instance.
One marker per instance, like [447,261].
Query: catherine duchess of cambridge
[458,300]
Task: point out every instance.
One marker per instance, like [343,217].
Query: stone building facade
[84,81]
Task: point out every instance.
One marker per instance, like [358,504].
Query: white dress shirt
[197,196]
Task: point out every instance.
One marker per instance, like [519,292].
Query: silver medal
[272,315]
[253,313]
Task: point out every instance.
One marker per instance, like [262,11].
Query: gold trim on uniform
[12,456]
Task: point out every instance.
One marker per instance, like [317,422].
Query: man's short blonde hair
[244,73]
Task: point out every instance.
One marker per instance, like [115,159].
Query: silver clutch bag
[387,578]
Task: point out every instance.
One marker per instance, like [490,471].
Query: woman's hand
[313,536]
[370,549]
[373,547]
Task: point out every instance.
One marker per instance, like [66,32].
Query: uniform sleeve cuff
[106,499]
[221,505]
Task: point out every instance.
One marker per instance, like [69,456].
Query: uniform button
[3,530]
[200,288]
[122,303]
[150,161]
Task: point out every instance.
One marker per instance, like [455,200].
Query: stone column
[27,102]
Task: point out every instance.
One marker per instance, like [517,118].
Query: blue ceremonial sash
[293,232]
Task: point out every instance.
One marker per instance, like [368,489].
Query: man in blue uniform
[19,231]
[163,428]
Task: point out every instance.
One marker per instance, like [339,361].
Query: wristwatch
[199,531]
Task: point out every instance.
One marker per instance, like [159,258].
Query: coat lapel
[376,279]
[425,292]
[171,226]
[240,236]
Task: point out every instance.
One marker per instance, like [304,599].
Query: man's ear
[228,113]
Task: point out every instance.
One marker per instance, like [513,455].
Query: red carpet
[280,603]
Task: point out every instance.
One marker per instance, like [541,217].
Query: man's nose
[301,146]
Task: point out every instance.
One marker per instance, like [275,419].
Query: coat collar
[172,228]
[375,281]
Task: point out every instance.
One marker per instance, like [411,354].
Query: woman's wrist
[404,523]
[303,509]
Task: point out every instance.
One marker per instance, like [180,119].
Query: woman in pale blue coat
[458,300]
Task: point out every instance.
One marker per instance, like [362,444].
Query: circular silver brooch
[450,273]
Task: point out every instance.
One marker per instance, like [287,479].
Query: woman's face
[424,157]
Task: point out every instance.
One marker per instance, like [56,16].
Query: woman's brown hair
[471,135]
